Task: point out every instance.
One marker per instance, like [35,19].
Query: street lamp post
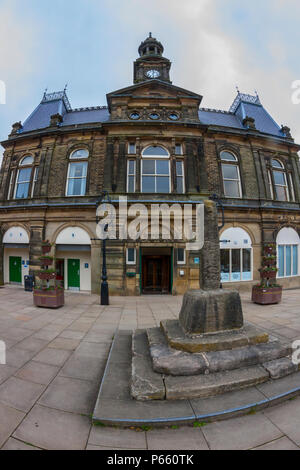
[104,296]
[104,283]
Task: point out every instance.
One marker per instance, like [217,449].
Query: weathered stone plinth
[207,352]
[210,311]
[232,339]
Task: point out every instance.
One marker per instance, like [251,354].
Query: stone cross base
[211,311]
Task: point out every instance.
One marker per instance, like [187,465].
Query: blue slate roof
[243,106]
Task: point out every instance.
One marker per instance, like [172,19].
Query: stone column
[210,267]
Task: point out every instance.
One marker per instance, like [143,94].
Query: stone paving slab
[54,430]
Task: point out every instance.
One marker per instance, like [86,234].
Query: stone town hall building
[152,142]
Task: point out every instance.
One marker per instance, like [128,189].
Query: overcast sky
[214,46]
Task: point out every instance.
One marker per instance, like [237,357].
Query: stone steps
[148,384]
[168,361]
[205,386]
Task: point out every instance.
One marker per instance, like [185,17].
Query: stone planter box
[49,298]
[267,296]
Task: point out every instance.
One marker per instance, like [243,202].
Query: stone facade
[47,211]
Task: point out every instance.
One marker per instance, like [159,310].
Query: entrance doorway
[15,269]
[74,274]
[60,271]
[156,272]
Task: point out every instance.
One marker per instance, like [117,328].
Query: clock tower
[151,64]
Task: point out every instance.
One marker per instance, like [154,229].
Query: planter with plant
[268,291]
[47,292]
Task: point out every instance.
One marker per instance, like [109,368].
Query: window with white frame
[180,177]
[280,181]
[131,256]
[178,149]
[270,184]
[35,177]
[132,148]
[77,173]
[231,175]
[181,256]
[236,255]
[131,169]
[288,242]
[24,178]
[155,174]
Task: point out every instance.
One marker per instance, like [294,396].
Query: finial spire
[150,35]
[237,89]
[66,86]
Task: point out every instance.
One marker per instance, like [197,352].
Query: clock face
[153,73]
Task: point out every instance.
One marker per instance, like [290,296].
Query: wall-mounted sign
[196,260]
[86,266]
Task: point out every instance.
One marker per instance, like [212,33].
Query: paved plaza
[56,358]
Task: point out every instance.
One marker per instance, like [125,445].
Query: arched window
[77,173]
[288,252]
[155,174]
[24,178]
[280,181]
[236,255]
[231,175]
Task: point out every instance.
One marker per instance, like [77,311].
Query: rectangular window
[178,149]
[155,176]
[131,256]
[225,265]
[76,183]
[35,177]
[23,183]
[180,256]
[131,148]
[180,177]
[295,260]
[247,265]
[281,261]
[236,265]
[131,176]
[287,260]
[231,178]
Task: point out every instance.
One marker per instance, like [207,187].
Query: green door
[15,269]
[74,274]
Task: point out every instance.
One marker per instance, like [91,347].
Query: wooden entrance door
[156,274]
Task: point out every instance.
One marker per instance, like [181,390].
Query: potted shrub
[47,292]
[268,291]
